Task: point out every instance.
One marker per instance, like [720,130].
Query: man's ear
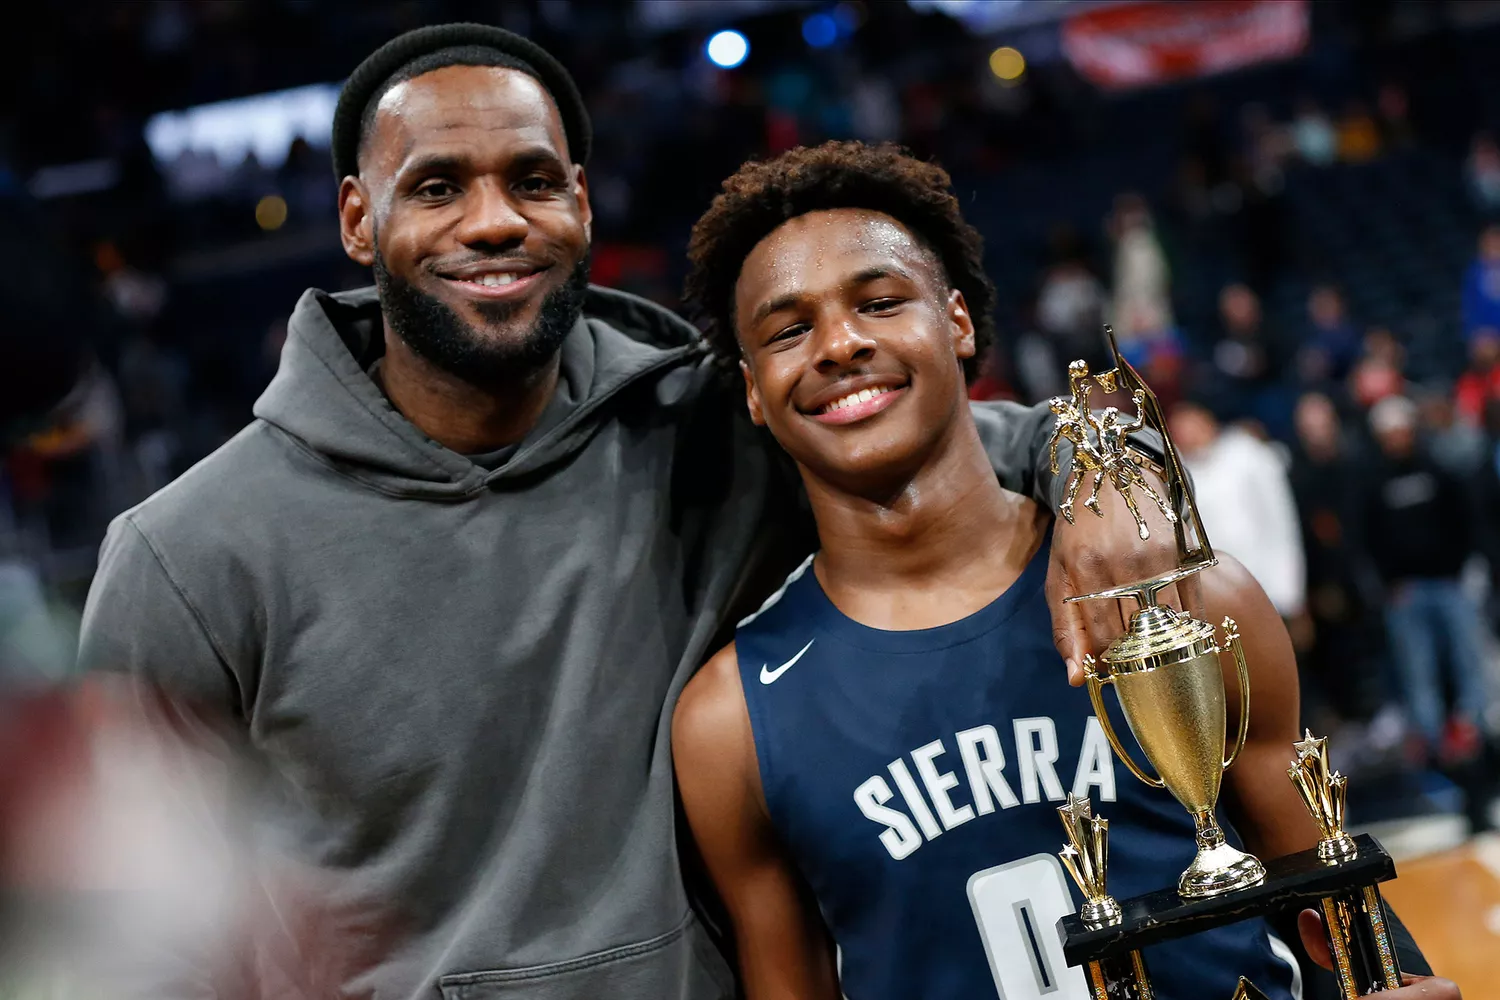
[963,324]
[356,221]
[581,192]
[752,396]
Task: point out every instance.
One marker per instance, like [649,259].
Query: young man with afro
[872,768]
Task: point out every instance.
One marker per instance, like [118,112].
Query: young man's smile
[856,399]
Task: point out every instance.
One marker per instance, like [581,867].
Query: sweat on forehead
[832,244]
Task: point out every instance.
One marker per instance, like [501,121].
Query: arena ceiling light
[727,49]
[820,30]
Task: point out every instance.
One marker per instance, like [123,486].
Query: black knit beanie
[386,61]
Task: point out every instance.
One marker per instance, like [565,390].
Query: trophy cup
[1167,673]
[1165,668]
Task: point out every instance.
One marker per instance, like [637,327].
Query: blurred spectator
[1240,484]
[1262,215]
[1245,361]
[1487,502]
[80,458]
[1418,530]
[1203,139]
[1483,173]
[1069,325]
[303,180]
[1455,445]
[1480,383]
[1380,370]
[1242,354]
[990,383]
[1338,648]
[154,383]
[1332,342]
[1267,145]
[1070,309]
[1381,344]
[35,643]
[137,295]
[1141,275]
[1394,108]
[1358,136]
[1157,352]
[1481,295]
[875,112]
[1313,134]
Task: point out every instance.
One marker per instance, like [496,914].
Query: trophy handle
[1232,640]
[1096,682]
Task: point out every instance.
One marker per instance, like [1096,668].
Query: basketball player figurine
[1167,673]
[1106,454]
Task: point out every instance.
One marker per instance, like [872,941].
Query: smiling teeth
[854,397]
[492,280]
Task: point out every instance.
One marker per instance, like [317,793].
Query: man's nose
[842,344]
[490,218]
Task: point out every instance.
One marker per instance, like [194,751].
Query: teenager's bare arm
[1263,802]
[784,950]
[1260,797]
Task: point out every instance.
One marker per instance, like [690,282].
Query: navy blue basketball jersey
[915,779]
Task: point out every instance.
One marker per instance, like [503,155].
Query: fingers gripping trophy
[1167,674]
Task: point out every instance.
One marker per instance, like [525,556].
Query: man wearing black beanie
[486,522]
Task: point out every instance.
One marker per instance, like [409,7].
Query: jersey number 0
[1017,907]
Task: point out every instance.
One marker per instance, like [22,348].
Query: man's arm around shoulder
[784,950]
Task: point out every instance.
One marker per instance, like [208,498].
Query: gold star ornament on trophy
[1323,793]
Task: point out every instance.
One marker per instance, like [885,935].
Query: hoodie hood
[325,400]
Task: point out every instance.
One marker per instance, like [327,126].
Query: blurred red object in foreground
[126,835]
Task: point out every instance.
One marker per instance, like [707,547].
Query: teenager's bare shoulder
[1229,589]
[711,719]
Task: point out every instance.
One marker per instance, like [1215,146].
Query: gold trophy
[1166,670]
[1166,667]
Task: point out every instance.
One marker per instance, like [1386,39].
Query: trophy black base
[1344,892]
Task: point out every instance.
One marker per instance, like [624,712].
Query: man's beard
[431,328]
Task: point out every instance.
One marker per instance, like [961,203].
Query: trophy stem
[1218,868]
[1209,834]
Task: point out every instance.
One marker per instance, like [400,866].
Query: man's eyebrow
[435,163]
[453,163]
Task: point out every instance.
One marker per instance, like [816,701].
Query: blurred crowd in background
[1302,256]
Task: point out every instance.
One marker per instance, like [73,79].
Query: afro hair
[762,195]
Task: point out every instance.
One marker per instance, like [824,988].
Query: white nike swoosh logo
[767,676]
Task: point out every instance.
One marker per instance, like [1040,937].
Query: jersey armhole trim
[769,602]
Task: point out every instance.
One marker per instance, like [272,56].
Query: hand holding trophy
[1166,671]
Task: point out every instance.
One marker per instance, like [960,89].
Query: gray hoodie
[467,675]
